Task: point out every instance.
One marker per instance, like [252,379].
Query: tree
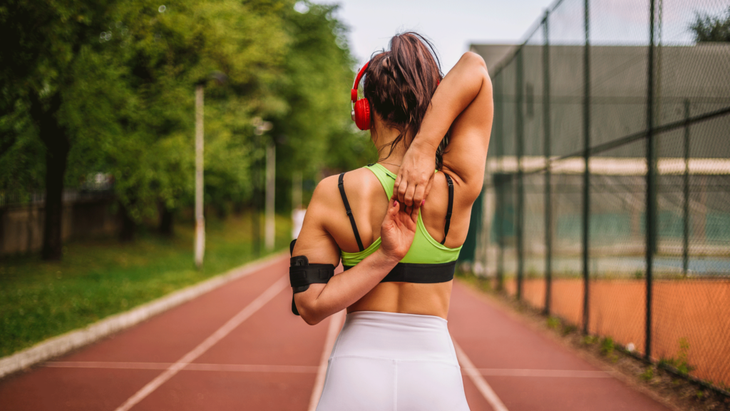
[106,86]
[707,28]
[166,52]
[46,46]
[316,131]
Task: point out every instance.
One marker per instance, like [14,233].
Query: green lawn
[99,278]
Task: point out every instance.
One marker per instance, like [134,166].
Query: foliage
[49,57]
[316,133]
[608,349]
[681,361]
[648,374]
[589,339]
[123,76]
[165,54]
[708,28]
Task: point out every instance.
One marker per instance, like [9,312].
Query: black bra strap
[451,206]
[341,185]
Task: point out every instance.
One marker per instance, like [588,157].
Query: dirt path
[239,347]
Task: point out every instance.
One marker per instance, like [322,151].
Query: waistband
[395,336]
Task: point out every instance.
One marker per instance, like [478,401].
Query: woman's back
[368,198]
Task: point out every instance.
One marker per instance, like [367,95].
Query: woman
[394,351]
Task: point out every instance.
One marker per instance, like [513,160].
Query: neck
[383,138]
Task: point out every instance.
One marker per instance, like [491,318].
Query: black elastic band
[341,185]
[420,273]
[451,206]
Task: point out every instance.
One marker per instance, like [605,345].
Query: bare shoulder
[325,191]
[314,240]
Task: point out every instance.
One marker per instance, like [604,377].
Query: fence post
[586,158]
[650,181]
[520,131]
[685,203]
[546,144]
[499,178]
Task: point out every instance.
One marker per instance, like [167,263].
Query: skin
[462,102]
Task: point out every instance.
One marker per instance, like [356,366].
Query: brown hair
[399,84]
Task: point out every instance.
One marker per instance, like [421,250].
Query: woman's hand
[415,176]
[397,231]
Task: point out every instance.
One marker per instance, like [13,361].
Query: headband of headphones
[361,108]
[353,92]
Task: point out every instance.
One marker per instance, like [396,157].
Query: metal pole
[650,183]
[519,127]
[256,213]
[548,182]
[586,159]
[500,181]
[270,194]
[199,218]
[685,203]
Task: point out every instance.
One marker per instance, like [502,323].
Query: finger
[393,209]
[418,196]
[408,198]
[401,192]
[413,220]
[428,189]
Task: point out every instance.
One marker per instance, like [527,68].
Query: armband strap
[302,274]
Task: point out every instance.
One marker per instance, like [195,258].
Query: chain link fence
[607,197]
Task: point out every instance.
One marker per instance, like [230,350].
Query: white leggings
[393,362]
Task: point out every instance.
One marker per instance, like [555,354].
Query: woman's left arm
[316,243]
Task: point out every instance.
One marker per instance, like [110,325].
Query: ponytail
[399,84]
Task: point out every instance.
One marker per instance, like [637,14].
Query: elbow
[474,66]
[308,313]
[474,59]
[309,319]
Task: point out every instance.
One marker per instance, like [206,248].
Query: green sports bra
[427,261]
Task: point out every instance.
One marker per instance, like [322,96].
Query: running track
[239,347]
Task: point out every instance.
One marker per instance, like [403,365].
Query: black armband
[302,274]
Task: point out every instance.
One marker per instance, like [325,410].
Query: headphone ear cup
[362,114]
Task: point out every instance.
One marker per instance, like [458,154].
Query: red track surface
[270,360]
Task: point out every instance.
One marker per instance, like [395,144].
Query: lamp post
[261,127]
[199,244]
[199,218]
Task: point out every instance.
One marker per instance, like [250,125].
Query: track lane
[495,342]
[270,361]
[272,337]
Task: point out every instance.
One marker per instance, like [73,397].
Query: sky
[450,24]
[454,24]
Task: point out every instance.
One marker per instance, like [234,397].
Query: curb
[64,343]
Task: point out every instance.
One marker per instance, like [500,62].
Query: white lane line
[329,342]
[304,369]
[516,372]
[219,334]
[478,380]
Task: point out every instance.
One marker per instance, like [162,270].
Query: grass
[99,278]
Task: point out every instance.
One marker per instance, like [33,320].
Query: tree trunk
[55,138]
[166,220]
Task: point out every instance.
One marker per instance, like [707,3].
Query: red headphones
[360,108]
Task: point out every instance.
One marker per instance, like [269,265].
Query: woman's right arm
[462,103]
